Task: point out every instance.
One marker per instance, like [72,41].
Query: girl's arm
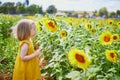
[23,53]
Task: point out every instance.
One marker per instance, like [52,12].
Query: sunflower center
[110,22]
[93,31]
[51,24]
[89,26]
[107,38]
[115,37]
[83,20]
[80,58]
[63,34]
[112,55]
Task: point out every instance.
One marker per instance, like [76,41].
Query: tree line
[103,12]
[24,8]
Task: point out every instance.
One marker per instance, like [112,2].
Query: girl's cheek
[35,30]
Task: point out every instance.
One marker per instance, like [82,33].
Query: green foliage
[5,23]
[8,44]
[8,54]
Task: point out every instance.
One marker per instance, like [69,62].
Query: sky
[75,5]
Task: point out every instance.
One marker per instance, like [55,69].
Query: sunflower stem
[118,63]
[85,78]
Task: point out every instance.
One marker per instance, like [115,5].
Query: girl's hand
[37,52]
[40,54]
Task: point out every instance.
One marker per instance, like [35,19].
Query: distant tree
[69,14]
[103,12]
[112,14]
[85,14]
[118,12]
[40,9]
[32,9]
[20,8]
[10,8]
[27,2]
[19,4]
[95,13]
[3,9]
[0,2]
[51,9]
[8,4]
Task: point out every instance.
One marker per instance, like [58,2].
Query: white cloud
[83,5]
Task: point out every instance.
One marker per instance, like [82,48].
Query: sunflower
[70,20]
[78,58]
[76,22]
[51,25]
[93,31]
[110,22]
[63,33]
[88,26]
[83,19]
[115,37]
[111,55]
[118,24]
[106,38]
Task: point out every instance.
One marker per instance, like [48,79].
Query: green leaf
[74,75]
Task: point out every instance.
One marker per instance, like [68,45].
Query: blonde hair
[22,30]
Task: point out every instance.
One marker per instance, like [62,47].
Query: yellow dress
[26,70]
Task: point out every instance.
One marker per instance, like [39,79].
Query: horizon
[74,5]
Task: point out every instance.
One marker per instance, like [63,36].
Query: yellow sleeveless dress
[26,70]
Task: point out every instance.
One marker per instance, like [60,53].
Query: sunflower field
[72,48]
